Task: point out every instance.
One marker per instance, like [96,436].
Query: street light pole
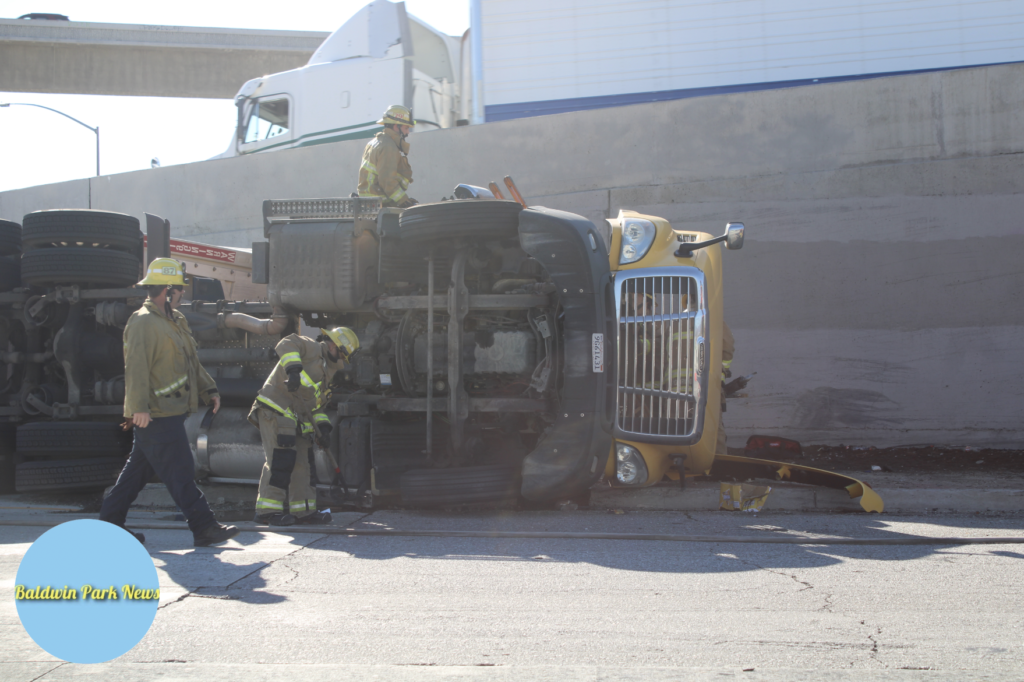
[95,130]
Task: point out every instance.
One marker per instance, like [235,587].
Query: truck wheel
[484,219]
[10,238]
[79,474]
[79,265]
[465,485]
[62,227]
[73,440]
[10,272]
[7,460]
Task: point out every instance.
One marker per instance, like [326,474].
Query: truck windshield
[269,118]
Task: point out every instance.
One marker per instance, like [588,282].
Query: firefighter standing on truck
[290,414]
[163,382]
[385,172]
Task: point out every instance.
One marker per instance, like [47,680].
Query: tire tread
[465,485]
[67,475]
[79,265]
[10,238]
[472,218]
[81,227]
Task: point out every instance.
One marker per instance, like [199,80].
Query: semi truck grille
[661,354]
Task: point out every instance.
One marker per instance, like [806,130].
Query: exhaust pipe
[254,325]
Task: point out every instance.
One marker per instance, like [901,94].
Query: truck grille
[661,354]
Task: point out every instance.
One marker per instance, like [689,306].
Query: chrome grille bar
[661,384]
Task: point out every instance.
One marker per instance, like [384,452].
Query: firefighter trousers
[161,448]
[285,485]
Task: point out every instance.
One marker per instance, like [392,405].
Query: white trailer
[552,56]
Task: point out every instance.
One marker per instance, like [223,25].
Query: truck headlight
[630,468]
[637,237]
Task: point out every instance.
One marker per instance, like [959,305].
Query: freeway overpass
[84,58]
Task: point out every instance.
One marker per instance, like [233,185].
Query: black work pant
[161,447]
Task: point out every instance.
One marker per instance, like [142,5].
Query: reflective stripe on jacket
[162,374]
[385,172]
[307,404]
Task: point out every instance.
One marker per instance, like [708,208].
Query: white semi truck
[379,57]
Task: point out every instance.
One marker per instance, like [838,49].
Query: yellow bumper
[748,467]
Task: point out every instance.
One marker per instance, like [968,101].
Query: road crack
[806,585]
[179,599]
[57,667]
[873,654]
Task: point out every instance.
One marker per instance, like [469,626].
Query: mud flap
[734,466]
[571,456]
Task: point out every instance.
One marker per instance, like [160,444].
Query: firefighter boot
[214,534]
[275,519]
[317,518]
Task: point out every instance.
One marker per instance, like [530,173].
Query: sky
[40,147]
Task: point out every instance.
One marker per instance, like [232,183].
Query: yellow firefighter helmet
[344,338]
[164,271]
[397,115]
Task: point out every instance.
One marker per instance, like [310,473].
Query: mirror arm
[686,249]
[240,103]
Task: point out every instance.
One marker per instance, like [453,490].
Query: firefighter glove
[407,202]
[733,386]
[325,431]
[293,378]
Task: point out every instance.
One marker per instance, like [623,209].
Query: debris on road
[743,497]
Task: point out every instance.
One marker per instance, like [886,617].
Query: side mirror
[734,236]
[733,239]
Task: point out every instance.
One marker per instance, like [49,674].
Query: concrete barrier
[876,295]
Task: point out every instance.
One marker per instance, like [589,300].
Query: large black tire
[80,227]
[466,485]
[10,272]
[10,238]
[485,219]
[73,440]
[7,459]
[79,474]
[79,265]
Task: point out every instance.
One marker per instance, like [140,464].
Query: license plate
[597,351]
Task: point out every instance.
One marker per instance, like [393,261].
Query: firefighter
[385,172]
[163,384]
[290,413]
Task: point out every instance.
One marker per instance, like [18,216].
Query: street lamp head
[95,130]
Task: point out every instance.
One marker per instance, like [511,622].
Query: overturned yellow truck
[507,350]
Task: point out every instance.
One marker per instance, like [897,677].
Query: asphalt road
[311,606]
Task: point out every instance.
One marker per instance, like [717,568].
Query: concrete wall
[876,294]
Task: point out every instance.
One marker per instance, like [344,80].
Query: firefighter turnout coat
[287,420]
[162,374]
[385,172]
[304,408]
